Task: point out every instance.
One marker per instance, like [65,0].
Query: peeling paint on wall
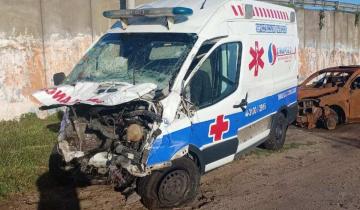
[62,54]
[21,72]
[22,68]
[312,60]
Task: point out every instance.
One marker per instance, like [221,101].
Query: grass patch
[25,146]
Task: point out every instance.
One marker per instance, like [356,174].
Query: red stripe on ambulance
[234,10]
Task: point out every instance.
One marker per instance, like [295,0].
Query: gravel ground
[320,169]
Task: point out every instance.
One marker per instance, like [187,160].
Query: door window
[356,84]
[217,77]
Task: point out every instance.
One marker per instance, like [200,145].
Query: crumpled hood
[304,92]
[92,93]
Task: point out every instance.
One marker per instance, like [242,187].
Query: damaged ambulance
[173,90]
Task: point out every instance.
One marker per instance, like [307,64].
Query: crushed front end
[109,144]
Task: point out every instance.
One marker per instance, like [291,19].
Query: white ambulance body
[235,87]
[267,68]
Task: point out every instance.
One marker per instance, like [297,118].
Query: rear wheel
[170,187]
[278,133]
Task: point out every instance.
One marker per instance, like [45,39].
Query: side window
[217,77]
[356,84]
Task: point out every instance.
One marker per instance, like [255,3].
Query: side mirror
[58,78]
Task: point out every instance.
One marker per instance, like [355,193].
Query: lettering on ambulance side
[58,95]
[280,53]
[287,93]
[251,111]
[271,28]
[218,128]
[63,98]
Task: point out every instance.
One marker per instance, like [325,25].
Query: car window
[356,84]
[217,77]
[329,79]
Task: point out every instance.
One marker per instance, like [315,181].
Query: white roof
[206,20]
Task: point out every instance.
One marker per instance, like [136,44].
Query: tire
[57,167]
[171,187]
[332,120]
[277,134]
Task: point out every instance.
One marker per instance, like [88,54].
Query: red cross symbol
[256,61]
[219,127]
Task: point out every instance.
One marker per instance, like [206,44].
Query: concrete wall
[41,37]
[337,43]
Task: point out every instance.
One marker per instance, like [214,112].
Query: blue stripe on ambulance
[164,148]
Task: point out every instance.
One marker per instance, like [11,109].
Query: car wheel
[170,187]
[331,120]
[277,134]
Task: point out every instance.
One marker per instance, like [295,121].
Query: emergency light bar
[152,12]
[169,13]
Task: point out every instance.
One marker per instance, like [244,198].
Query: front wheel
[278,133]
[332,119]
[170,187]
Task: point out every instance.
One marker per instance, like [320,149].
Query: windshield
[328,79]
[134,58]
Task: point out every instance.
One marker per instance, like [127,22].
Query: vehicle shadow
[56,196]
[55,127]
[343,135]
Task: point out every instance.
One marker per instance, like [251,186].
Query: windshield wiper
[202,6]
[134,77]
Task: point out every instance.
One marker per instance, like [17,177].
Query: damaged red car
[330,97]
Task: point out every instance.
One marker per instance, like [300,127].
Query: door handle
[243,104]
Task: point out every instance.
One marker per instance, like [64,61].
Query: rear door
[355,100]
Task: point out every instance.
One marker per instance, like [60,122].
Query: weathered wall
[337,43]
[41,37]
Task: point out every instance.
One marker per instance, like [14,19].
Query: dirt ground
[320,169]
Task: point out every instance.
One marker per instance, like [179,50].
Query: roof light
[292,17]
[182,11]
[152,12]
[249,12]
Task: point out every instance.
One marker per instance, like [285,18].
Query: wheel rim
[331,122]
[173,187]
[279,132]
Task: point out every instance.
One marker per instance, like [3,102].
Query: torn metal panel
[92,93]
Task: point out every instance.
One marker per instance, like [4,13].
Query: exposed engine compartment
[109,144]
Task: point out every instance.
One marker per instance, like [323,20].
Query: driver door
[214,90]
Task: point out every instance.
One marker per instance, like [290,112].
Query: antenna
[203,4]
